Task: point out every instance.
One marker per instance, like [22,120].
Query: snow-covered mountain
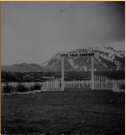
[108,59]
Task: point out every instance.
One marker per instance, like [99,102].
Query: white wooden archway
[77,55]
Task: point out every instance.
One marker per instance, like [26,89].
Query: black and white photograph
[62,67]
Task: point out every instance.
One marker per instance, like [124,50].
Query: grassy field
[88,112]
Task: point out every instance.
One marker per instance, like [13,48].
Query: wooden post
[92,72]
[62,81]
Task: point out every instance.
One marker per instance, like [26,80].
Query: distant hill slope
[23,67]
[108,60]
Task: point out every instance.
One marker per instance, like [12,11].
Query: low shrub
[7,88]
[21,88]
[36,86]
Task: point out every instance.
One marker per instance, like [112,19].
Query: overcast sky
[33,32]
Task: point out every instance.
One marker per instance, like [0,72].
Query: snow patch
[110,52]
[85,68]
[76,66]
[117,63]
[118,67]
[52,65]
[75,58]
[86,62]
[102,63]
[105,57]
[72,64]
[46,63]
[112,57]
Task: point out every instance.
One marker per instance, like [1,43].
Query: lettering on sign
[64,54]
[75,54]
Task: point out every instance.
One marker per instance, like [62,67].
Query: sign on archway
[78,55]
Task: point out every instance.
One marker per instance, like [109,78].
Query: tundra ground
[70,112]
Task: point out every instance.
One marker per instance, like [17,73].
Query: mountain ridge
[108,59]
[23,67]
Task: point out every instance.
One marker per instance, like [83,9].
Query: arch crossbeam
[78,55]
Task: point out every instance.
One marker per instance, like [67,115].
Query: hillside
[23,67]
[107,59]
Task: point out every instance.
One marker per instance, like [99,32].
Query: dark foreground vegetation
[69,112]
[20,87]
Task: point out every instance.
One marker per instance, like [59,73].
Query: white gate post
[92,72]
[62,81]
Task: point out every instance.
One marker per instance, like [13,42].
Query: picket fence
[100,83]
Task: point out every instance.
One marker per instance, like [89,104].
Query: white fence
[52,85]
[100,83]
